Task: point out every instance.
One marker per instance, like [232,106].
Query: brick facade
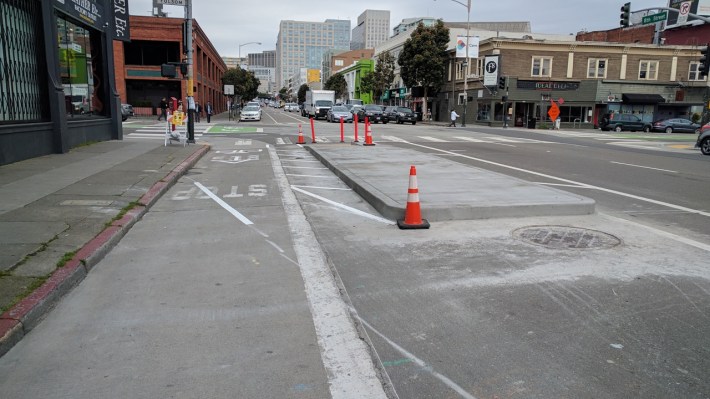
[208,66]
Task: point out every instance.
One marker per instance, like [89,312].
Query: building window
[76,69]
[461,99]
[648,70]
[338,62]
[541,66]
[23,86]
[459,71]
[694,72]
[596,68]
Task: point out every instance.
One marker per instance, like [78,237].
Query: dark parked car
[401,115]
[704,141]
[619,122]
[375,113]
[676,125]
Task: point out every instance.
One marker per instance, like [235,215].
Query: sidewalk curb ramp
[26,314]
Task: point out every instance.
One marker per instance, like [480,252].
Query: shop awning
[642,98]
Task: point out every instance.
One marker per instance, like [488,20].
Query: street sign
[182,3]
[554,111]
[683,12]
[653,18]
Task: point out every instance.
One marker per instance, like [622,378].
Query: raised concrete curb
[25,315]
[448,190]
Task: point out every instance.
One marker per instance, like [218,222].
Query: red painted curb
[14,323]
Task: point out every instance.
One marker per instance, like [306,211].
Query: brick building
[156,41]
[592,78]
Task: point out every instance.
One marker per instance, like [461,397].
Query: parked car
[676,125]
[335,113]
[619,122]
[291,107]
[704,140]
[250,113]
[353,108]
[126,111]
[253,104]
[401,115]
[375,113]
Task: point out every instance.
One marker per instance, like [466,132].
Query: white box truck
[318,102]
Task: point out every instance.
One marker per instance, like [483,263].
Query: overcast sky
[229,23]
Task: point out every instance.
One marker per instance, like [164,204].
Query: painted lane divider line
[344,207]
[224,205]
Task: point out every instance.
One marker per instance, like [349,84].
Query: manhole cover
[562,237]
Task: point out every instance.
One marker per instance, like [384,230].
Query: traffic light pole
[190,74]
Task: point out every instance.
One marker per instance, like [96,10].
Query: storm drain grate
[565,237]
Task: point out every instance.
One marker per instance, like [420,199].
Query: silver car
[250,113]
[337,112]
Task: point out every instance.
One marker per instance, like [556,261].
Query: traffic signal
[501,82]
[704,67]
[625,14]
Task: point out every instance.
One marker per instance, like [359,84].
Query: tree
[302,93]
[423,58]
[383,76]
[246,85]
[283,94]
[338,84]
[367,83]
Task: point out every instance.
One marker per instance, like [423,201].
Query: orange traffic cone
[368,134]
[300,135]
[412,214]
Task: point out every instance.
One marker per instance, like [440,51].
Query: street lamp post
[467,60]
[242,45]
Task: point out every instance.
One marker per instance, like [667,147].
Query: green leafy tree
[423,58]
[338,84]
[367,83]
[302,93]
[283,94]
[383,76]
[246,85]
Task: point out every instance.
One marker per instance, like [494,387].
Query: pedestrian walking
[454,115]
[198,109]
[163,109]
[208,111]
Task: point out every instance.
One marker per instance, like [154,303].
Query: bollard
[313,132]
[355,122]
[342,130]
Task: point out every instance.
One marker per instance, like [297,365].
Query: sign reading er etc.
[92,14]
[537,85]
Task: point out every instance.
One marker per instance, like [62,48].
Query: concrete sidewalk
[60,214]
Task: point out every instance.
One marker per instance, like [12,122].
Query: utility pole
[190,74]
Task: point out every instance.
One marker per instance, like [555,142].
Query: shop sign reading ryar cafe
[91,13]
[542,85]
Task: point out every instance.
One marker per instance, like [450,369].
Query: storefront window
[484,110]
[76,69]
[22,88]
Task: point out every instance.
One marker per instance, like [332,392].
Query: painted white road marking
[345,356]
[644,167]
[582,185]
[345,207]
[224,205]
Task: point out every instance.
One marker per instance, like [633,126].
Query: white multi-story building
[301,44]
[373,27]
[266,78]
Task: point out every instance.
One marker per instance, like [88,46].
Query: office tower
[373,27]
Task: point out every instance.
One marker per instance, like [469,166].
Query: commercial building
[373,28]
[585,79]
[301,44]
[353,75]
[156,41]
[335,60]
[265,59]
[56,69]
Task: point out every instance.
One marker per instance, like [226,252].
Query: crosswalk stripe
[502,139]
[471,139]
[434,139]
